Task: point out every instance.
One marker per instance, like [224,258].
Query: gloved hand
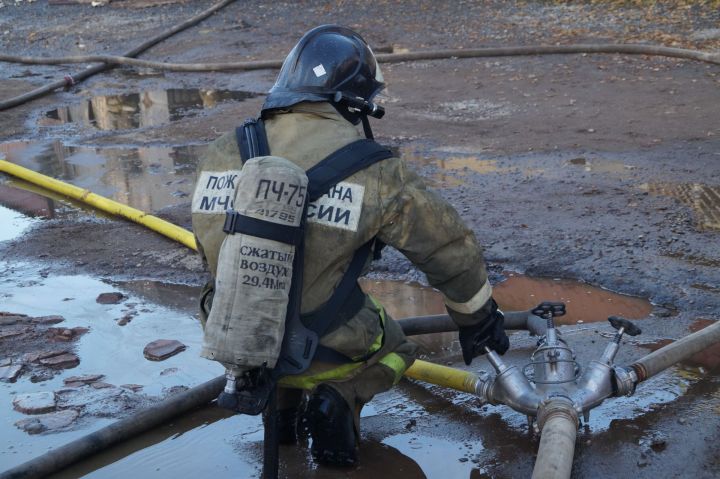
[489,332]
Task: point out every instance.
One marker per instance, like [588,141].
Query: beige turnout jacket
[386,201]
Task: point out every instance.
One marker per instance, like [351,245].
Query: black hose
[70,80]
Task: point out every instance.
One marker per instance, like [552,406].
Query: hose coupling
[624,381]
[556,406]
[483,385]
[230,383]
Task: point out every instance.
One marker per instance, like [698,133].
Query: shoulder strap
[342,163]
[252,139]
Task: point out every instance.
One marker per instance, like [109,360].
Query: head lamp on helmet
[332,64]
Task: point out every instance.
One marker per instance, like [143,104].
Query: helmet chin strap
[366,127]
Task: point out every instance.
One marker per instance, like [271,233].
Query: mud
[597,170]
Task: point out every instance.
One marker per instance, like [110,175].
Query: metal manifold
[552,383]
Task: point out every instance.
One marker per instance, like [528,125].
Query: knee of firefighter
[357,336]
[360,389]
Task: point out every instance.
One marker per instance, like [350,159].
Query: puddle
[403,300]
[137,110]
[451,166]
[147,178]
[437,457]
[13,223]
[172,450]
[584,302]
[703,199]
[107,348]
[599,165]
[175,296]
[34,202]
[451,169]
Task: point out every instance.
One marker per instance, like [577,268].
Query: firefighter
[324,92]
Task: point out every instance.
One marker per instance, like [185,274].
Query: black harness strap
[237,223]
[342,163]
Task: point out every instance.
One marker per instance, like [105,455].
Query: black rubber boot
[287,425]
[330,422]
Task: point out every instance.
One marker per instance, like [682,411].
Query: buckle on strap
[230,220]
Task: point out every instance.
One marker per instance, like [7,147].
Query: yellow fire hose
[100,202]
[420,370]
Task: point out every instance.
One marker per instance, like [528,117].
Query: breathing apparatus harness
[301,342]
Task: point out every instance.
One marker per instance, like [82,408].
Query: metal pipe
[595,385]
[676,352]
[510,387]
[121,430]
[441,323]
[559,424]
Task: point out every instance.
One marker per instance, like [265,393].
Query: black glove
[489,332]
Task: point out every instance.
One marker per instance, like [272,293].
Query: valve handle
[630,329]
[553,308]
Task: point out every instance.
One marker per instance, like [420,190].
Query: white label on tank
[319,70]
[214,191]
[340,207]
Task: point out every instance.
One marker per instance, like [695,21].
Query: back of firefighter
[305,121]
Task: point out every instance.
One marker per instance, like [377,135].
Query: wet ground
[588,179]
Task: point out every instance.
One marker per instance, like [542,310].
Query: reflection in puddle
[704,199]
[172,450]
[149,108]
[176,296]
[405,299]
[584,302]
[35,202]
[598,165]
[452,168]
[402,300]
[147,178]
[437,457]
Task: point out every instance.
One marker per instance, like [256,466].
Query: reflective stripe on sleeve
[396,363]
[475,303]
[309,381]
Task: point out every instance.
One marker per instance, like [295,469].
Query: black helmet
[330,63]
